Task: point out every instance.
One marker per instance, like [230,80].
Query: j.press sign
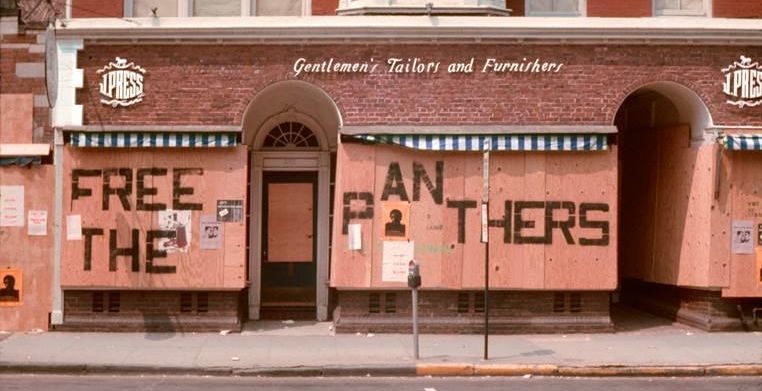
[743,82]
[121,83]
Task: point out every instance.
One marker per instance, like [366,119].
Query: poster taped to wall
[211,233]
[37,223]
[396,256]
[74,227]
[11,292]
[11,206]
[741,235]
[230,210]
[355,236]
[396,218]
[179,222]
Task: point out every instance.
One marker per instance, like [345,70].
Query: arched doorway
[291,128]
[666,165]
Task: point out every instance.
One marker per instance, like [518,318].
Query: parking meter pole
[415,323]
[413,282]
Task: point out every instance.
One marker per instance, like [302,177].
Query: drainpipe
[56,317]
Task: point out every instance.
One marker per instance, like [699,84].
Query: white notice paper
[74,227]
[211,232]
[396,256]
[37,223]
[355,237]
[742,239]
[11,206]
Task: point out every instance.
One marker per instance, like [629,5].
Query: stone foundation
[463,312]
[701,308]
[166,311]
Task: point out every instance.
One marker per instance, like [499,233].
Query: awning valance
[152,139]
[21,161]
[742,142]
[495,142]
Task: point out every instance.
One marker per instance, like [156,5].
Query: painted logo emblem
[743,82]
[121,83]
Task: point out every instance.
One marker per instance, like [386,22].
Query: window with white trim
[171,8]
[555,7]
[216,7]
[681,7]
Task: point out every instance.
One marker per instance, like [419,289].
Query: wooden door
[289,201]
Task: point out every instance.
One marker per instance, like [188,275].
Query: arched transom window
[290,135]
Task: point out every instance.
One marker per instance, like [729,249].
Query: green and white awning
[742,142]
[495,142]
[153,139]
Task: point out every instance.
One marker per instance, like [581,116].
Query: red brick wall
[619,8]
[324,7]
[517,7]
[97,8]
[213,84]
[10,84]
[737,8]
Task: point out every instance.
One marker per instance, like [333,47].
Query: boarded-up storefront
[154,218]
[552,223]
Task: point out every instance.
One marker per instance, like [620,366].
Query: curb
[421,369]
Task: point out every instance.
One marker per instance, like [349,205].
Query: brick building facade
[613,168]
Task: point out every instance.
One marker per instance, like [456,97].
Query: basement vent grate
[575,302]
[97,301]
[390,303]
[374,303]
[479,302]
[463,303]
[114,301]
[186,302]
[202,302]
[559,302]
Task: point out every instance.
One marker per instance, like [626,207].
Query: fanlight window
[290,135]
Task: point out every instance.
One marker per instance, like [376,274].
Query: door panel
[290,222]
[288,254]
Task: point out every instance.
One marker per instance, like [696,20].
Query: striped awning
[742,142]
[152,139]
[495,142]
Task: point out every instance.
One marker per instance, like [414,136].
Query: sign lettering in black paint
[78,191]
[514,222]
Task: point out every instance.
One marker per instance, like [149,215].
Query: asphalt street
[190,383]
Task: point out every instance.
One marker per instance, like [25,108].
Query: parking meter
[414,282]
[413,275]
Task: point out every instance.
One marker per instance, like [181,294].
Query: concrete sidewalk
[310,348]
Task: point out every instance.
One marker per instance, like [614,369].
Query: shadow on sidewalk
[629,319]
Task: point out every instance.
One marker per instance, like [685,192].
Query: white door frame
[319,161]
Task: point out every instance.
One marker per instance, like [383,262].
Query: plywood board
[191,179]
[746,200]
[16,118]
[290,222]
[32,255]
[445,220]
[581,194]
[353,203]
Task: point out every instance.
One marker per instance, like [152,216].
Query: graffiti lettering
[349,214]
[143,187]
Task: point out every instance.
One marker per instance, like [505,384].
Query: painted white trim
[67,9]
[67,112]
[401,29]
[57,312]
[302,159]
[581,10]
[255,236]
